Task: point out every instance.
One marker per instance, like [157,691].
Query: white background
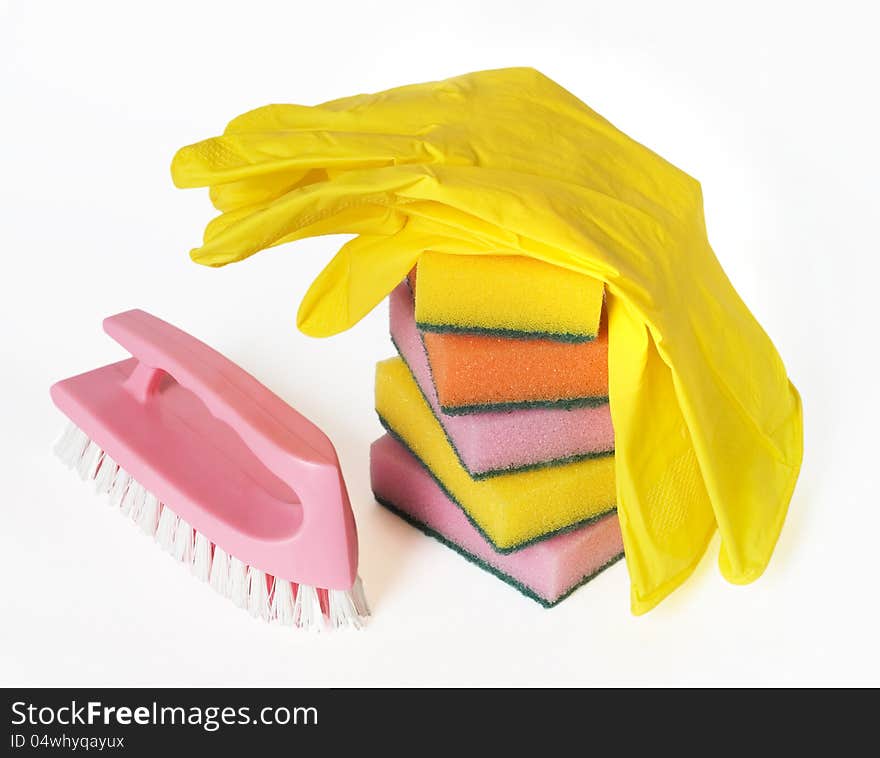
[773,106]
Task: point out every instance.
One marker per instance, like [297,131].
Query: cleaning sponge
[492,443]
[481,372]
[510,296]
[511,510]
[547,571]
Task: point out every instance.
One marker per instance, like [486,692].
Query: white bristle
[64,441]
[307,609]
[343,612]
[167,529]
[220,572]
[282,602]
[201,562]
[106,474]
[264,597]
[79,446]
[133,499]
[359,598]
[95,466]
[85,459]
[75,445]
[183,541]
[126,500]
[148,519]
[138,498]
[258,594]
[238,584]
[88,460]
[119,488]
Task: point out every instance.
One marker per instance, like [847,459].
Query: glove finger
[358,277]
[354,203]
[260,189]
[235,157]
[410,109]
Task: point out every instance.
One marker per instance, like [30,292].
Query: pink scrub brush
[224,474]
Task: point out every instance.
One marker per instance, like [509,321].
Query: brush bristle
[258,594]
[238,585]
[119,488]
[148,520]
[343,610]
[220,572]
[201,563]
[106,475]
[264,596]
[282,602]
[87,466]
[307,612]
[167,529]
[183,542]
[133,501]
[71,446]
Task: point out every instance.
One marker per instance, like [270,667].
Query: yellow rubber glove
[708,427]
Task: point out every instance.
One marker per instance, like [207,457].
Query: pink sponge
[498,442]
[546,571]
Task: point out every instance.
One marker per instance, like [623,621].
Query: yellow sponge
[511,510]
[506,295]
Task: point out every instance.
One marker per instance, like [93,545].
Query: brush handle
[268,425]
[151,428]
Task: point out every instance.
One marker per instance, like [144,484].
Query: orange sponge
[479,372]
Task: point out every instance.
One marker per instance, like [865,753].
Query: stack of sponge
[499,440]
